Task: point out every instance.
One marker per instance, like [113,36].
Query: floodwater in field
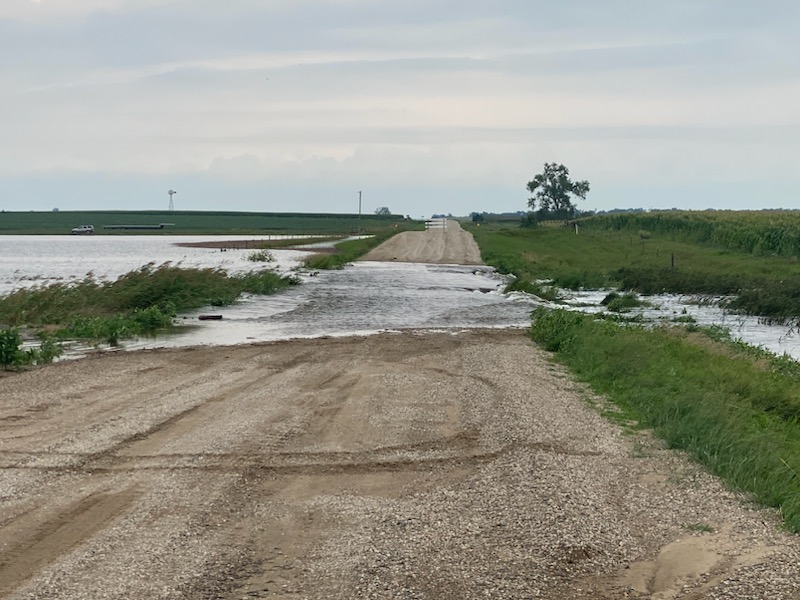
[361,299]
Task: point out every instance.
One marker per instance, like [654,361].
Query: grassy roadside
[645,262]
[733,408]
[137,303]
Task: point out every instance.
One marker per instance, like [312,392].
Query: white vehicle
[82,229]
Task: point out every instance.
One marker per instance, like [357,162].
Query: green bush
[261,256]
[10,342]
[11,353]
[622,302]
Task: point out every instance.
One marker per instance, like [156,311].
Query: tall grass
[138,302]
[736,413]
[654,263]
[773,232]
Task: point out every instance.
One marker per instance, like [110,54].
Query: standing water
[361,299]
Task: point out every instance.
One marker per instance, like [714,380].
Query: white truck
[83,229]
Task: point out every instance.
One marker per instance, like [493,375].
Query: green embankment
[193,222]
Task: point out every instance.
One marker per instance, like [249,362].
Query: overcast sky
[424,105]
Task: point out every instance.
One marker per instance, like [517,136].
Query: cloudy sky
[423,105]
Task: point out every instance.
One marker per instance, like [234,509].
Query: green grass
[194,222]
[138,302]
[597,258]
[622,302]
[12,355]
[733,408]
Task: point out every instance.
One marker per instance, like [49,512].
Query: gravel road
[438,245]
[429,465]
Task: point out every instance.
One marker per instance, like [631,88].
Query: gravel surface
[412,465]
[440,245]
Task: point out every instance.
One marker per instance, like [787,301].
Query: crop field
[193,222]
[767,232]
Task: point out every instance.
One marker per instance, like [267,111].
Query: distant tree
[477,217]
[383,211]
[553,191]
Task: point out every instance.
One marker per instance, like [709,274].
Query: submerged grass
[648,264]
[138,302]
[733,408]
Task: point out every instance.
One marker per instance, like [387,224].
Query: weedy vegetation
[263,255]
[137,303]
[750,258]
[12,355]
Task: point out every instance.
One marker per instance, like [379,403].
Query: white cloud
[346,92]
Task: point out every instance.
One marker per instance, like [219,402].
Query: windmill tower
[171,204]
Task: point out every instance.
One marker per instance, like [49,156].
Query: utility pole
[359,211]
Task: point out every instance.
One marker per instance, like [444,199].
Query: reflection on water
[367,298]
[778,339]
[360,299]
[28,260]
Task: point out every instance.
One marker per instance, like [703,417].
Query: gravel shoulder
[411,465]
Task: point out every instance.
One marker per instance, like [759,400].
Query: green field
[193,222]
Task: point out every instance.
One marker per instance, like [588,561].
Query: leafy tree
[383,211]
[553,191]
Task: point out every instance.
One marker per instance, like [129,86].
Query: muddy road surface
[419,464]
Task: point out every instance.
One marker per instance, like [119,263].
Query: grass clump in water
[262,255]
[733,409]
[619,303]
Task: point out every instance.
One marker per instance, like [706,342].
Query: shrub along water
[12,354]
[138,302]
[733,408]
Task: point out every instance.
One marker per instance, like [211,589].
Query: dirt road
[410,465]
[440,245]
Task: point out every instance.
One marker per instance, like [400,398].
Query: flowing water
[361,299]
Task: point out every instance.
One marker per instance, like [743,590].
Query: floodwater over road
[363,298]
[367,298]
